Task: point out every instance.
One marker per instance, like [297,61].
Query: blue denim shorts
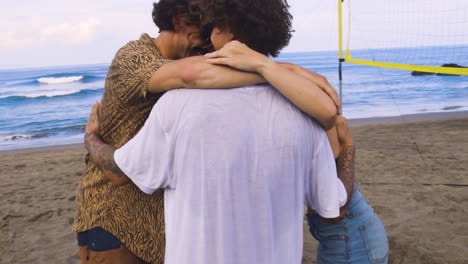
[359,237]
[98,239]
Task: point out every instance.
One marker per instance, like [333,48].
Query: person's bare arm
[302,92]
[100,153]
[340,138]
[320,80]
[196,72]
[345,162]
[332,135]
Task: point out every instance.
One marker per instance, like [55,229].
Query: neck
[164,43]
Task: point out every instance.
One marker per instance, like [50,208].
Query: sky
[56,32]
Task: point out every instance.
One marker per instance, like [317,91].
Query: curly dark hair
[164,10]
[263,25]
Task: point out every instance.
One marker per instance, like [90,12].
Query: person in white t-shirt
[237,167]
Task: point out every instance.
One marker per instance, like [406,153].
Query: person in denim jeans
[358,235]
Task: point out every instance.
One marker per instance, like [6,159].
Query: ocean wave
[56,80]
[50,94]
[53,79]
[47,132]
[77,128]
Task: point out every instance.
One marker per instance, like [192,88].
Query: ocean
[49,106]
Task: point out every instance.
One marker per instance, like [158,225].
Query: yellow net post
[340,50]
[340,29]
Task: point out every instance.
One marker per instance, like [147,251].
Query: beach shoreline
[405,119]
[355,122]
[411,169]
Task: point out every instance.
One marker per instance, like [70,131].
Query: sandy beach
[413,170]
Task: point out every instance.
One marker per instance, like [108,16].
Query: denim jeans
[359,237]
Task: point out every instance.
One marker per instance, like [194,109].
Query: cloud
[40,31]
[11,40]
[70,33]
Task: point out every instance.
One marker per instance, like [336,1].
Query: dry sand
[414,174]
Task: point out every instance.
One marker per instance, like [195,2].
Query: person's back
[238,167]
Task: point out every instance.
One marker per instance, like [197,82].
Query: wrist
[290,66]
[347,147]
[346,140]
[265,65]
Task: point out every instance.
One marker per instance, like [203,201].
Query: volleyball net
[428,36]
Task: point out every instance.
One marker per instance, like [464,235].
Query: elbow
[119,181]
[329,120]
[322,78]
[122,182]
[192,76]
[188,78]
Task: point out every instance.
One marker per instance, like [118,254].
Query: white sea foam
[55,80]
[52,93]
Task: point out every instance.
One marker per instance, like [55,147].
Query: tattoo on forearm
[108,163]
[102,155]
[346,169]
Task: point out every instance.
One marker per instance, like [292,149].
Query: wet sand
[413,170]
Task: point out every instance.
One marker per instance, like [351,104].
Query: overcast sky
[36,33]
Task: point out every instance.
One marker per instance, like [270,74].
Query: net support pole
[340,51]
[340,73]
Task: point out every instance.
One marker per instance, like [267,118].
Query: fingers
[211,55]
[224,52]
[231,48]
[220,57]
[234,44]
[333,95]
[219,61]
[93,121]
[95,108]
[94,112]
[325,85]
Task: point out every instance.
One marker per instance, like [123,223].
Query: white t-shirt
[238,166]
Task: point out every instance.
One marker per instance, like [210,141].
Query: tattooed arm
[345,166]
[100,153]
[341,139]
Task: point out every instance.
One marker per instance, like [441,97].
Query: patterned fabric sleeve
[136,64]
